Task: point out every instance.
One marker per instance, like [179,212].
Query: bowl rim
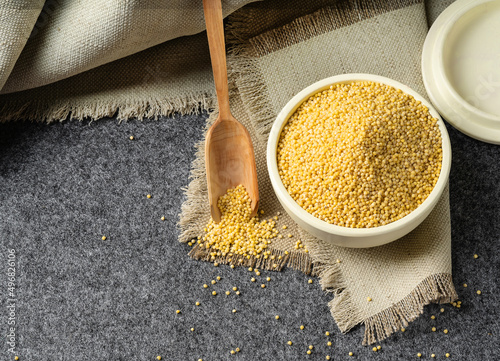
[441,61]
[455,113]
[321,225]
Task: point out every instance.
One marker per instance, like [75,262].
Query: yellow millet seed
[310,281]
[379,347]
[465,284]
[369,299]
[433,355]
[311,347]
[445,331]
[228,293]
[419,354]
[149,196]
[329,343]
[238,293]
[252,279]
[327,357]
[263,285]
[277,317]
[441,310]
[478,292]
[301,327]
[360,155]
[433,317]
[214,282]
[214,293]
[197,303]
[447,354]
[103,238]
[268,279]
[233,352]
[433,329]
[308,352]
[374,349]
[162,218]
[350,354]
[403,329]
[476,256]
[205,286]
[235,288]
[327,333]
[237,233]
[218,278]
[16,358]
[232,266]
[237,349]
[178,311]
[289,343]
[250,269]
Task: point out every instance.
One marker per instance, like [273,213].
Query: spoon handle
[215,34]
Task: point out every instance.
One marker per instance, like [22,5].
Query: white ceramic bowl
[344,236]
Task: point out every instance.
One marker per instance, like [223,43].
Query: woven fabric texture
[17,20]
[91,42]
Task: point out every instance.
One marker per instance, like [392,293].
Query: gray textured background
[65,185]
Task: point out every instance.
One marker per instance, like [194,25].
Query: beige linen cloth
[276,49]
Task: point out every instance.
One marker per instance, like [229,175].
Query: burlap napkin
[77,58]
[268,69]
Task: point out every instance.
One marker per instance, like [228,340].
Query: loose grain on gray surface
[64,186]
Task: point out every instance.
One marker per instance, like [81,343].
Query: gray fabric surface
[64,186]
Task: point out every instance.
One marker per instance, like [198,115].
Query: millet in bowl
[357,159]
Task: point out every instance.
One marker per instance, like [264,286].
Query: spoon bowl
[230,162]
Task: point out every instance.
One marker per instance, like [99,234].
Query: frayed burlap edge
[196,192]
[59,110]
[437,288]
[334,16]
[276,261]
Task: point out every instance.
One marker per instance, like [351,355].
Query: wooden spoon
[229,155]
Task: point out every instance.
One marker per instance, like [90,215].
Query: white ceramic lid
[461,67]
